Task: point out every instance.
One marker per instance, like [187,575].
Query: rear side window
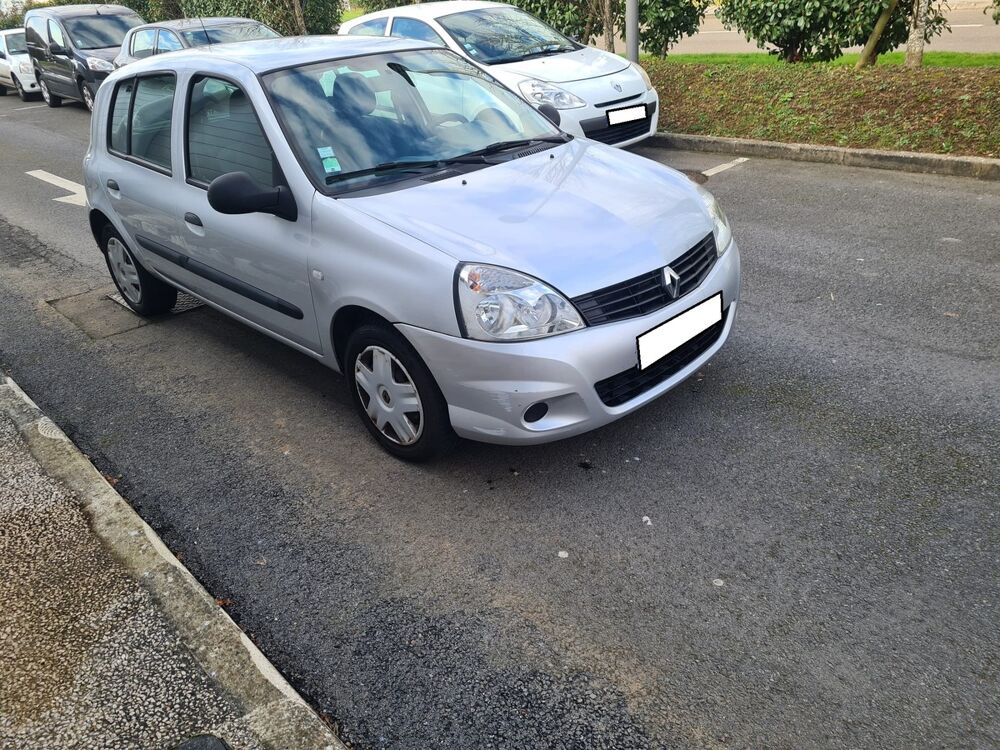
[140,122]
[370,28]
[143,43]
[411,28]
[223,135]
[167,42]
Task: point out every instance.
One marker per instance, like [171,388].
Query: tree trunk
[609,26]
[869,54]
[300,19]
[915,43]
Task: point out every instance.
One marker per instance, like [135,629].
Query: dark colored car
[72,48]
[169,36]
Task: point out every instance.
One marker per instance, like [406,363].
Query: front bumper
[488,386]
[591,121]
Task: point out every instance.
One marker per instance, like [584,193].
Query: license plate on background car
[628,114]
[656,344]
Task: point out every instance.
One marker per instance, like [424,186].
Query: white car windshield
[503,35]
[15,44]
[363,121]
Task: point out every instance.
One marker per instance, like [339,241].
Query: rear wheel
[51,99]
[395,394]
[144,293]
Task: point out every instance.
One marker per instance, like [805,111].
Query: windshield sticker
[330,162]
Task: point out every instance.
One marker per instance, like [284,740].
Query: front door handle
[113,185]
[191,218]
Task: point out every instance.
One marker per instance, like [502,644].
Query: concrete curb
[903,161]
[280,718]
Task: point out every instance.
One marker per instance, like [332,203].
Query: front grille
[597,128]
[645,294]
[627,385]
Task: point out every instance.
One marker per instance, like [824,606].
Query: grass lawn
[931,59]
[945,110]
[350,15]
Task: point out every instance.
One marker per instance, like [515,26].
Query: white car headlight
[539,92]
[497,304]
[25,68]
[102,66]
[723,232]
[645,76]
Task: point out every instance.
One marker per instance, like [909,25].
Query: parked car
[599,95]
[492,277]
[72,46]
[15,65]
[170,36]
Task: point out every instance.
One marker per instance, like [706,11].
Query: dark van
[72,46]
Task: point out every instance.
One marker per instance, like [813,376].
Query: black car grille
[647,293]
[627,385]
[597,128]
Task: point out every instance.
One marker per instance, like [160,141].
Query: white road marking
[78,197]
[724,167]
[33,106]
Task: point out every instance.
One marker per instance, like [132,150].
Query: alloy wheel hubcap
[88,98]
[124,271]
[389,396]
[45,90]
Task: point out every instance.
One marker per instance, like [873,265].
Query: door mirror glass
[237,193]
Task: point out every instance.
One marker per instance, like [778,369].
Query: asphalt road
[795,549]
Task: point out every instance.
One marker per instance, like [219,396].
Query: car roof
[197,23]
[264,55]
[429,11]
[66,11]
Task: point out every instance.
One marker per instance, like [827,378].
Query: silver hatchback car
[393,211]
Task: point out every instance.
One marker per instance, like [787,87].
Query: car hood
[19,58]
[105,53]
[580,216]
[567,66]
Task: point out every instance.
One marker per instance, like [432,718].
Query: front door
[59,65]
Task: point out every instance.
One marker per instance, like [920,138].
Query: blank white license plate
[628,114]
[656,344]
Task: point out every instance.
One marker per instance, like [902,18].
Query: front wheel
[25,96]
[51,99]
[3,90]
[395,394]
[87,96]
[144,293]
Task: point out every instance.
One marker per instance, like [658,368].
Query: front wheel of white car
[395,394]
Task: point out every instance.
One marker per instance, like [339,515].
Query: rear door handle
[112,185]
[191,218]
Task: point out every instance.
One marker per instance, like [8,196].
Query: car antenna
[208,39]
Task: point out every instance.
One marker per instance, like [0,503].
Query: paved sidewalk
[89,658]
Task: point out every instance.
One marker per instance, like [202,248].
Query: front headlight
[101,66]
[721,229]
[25,68]
[497,304]
[645,76]
[539,92]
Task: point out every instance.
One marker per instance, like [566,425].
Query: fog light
[536,411]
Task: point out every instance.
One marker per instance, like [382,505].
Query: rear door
[5,63]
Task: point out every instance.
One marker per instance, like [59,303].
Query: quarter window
[141,114]
[375,27]
[143,42]
[411,28]
[118,127]
[223,135]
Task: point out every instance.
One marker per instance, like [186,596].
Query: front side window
[374,27]
[167,41]
[15,44]
[358,123]
[504,35]
[143,42]
[411,28]
[140,123]
[224,135]
[98,32]
[233,32]
[56,35]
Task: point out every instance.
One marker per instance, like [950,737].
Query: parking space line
[78,197]
[724,167]
[31,106]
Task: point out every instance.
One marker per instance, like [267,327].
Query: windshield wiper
[389,166]
[499,146]
[531,55]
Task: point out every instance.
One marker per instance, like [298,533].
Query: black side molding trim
[222,279]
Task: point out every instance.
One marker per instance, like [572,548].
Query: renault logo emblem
[671,282]
[616,86]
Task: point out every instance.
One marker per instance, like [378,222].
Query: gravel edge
[280,717]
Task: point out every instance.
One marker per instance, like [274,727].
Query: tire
[3,90]
[51,99]
[86,96]
[430,434]
[25,96]
[144,293]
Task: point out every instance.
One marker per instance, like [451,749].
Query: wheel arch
[347,320]
[98,220]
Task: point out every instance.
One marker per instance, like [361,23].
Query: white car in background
[599,95]
[15,65]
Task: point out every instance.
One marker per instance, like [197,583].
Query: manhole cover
[184,303]
[203,742]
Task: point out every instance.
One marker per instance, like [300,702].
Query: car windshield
[233,32]
[504,35]
[15,44]
[360,122]
[97,32]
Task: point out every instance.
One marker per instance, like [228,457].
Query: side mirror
[3,55]
[55,49]
[551,114]
[237,193]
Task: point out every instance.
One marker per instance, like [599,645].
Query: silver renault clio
[393,211]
